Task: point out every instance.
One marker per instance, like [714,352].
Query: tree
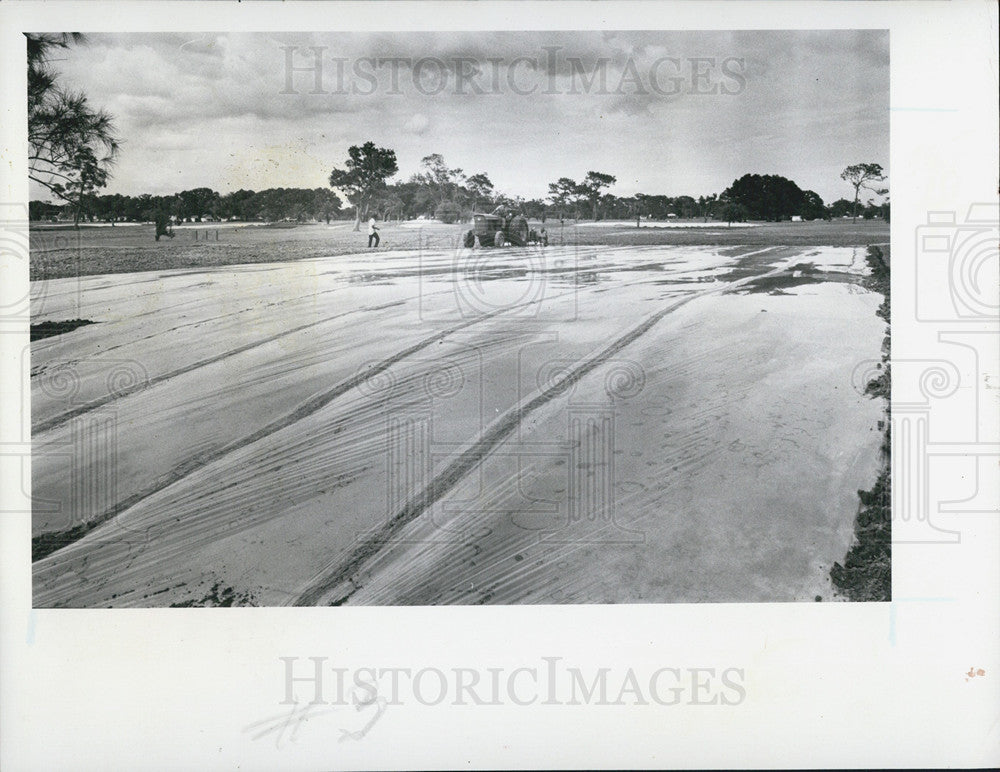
[564,193]
[685,207]
[447,212]
[325,204]
[406,195]
[367,169]
[707,205]
[240,204]
[813,207]
[198,202]
[592,185]
[444,183]
[85,177]
[863,176]
[733,212]
[656,207]
[71,147]
[766,197]
[109,208]
[388,204]
[886,209]
[534,209]
[840,208]
[42,210]
[480,188]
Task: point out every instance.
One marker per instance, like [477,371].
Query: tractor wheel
[499,239]
[533,236]
[519,232]
[470,240]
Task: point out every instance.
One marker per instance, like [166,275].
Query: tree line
[447,195]
[200,204]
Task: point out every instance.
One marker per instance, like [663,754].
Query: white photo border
[830,684]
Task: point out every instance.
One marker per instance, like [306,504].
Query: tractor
[496,230]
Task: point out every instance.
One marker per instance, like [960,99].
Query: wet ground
[574,424]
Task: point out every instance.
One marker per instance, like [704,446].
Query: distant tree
[508,203]
[447,212]
[480,189]
[325,204]
[564,194]
[86,176]
[731,212]
[71,146]
[611,207]
[766,197]
[813,207]
[198,202]
[424,199]
[686,207]
[873,210]
[275,204]
[113,207]
[592,186]
[840,208]
[139,208]
[388,205]
[367,169]
[657,207]
[42,210]
[444,183]
[863,176]
[534,209]
[707,205]
[239,204]
[407,194]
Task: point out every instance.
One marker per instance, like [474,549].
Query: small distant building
[796,218]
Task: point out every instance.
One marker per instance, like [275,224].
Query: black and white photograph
[503,384]
[439,318]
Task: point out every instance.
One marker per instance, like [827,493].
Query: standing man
[372,234]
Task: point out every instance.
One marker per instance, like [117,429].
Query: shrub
[447,212]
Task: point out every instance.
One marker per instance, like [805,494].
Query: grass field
[62,251]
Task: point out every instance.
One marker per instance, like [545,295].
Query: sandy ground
[574,424]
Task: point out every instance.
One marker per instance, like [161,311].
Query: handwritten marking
[284,727]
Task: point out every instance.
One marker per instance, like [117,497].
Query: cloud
[216,110]
[417,124]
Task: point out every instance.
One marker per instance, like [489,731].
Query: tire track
[58,420]
[42,369]
[471,457]
[45,544]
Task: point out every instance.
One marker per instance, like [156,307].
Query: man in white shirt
[372,233]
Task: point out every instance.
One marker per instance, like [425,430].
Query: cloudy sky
[672,113]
